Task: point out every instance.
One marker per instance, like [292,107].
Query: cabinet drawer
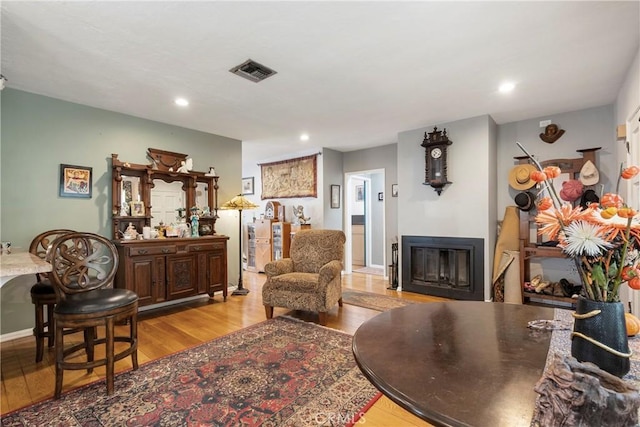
[152,250]
[208,246]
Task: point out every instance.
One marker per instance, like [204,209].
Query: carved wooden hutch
[166,268]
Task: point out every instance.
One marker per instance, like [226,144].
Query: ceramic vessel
[600,336]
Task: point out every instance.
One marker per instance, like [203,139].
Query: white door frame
[633,188]
[349,196]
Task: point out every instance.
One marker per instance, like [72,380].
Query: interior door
[165,199]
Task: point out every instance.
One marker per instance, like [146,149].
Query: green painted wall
[39,133]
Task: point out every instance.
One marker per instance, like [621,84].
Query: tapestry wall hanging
[289,178]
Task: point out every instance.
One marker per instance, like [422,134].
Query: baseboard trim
[15,335]
[29,332]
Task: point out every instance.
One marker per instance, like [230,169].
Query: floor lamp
[239,203]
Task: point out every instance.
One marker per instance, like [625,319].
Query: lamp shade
[238,203]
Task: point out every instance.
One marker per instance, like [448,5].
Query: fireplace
[450,267]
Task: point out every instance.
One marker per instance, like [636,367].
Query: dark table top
[457,363]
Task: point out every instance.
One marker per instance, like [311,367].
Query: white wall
[627,105]
[464,207]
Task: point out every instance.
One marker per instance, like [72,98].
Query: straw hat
[520,177]
[589,174]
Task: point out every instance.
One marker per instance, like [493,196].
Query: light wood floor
[174,329]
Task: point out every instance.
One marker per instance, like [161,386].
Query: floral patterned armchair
[310,279]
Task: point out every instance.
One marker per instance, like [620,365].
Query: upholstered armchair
[310,279]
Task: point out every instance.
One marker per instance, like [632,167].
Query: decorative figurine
[130,233]
[212,172]
[186,166]
[298,211]
[181,214]
[194,222]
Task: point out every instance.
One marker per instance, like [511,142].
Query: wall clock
[435,144]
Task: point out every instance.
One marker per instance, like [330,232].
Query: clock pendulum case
[435,144]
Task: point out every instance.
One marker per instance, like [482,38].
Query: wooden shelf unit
[532,249]
[165,269]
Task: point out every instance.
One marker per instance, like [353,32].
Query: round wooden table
[458,363]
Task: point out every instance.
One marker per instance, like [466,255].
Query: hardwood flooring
[169,330]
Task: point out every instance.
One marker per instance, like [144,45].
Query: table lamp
[239,203]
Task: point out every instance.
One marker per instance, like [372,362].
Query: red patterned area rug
[373,301]
[281,372]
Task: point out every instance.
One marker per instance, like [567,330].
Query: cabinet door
[213,273]
[182,278]
[276,240]
[148,279]
[263,253]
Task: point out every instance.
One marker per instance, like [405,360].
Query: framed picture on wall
[335,196]
[75,181]
[247,186]
[359,193]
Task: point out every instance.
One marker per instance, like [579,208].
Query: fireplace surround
[450,267]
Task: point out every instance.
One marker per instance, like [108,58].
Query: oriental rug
[281,372]
[372,301]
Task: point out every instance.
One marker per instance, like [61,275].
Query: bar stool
[84,266]
[42,293]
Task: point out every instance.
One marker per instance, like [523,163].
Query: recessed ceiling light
[304,137]
[506,87]
[181,102]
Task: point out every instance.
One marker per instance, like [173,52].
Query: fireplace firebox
[450,267]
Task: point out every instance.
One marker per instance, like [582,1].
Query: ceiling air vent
[253,71]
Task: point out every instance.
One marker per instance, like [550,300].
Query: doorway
[364,219]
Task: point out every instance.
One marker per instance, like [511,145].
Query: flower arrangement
[602,238]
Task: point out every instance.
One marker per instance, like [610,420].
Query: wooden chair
[84,266]
[43,294]
[310,279]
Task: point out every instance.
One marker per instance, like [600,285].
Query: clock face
[436,153]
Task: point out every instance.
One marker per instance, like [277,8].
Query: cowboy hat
[525,201]
[520,177]
[589,173]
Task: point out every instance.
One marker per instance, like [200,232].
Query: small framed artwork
[137,208]
[247,186]
[75,181]
[335,196]
[394,190]
[380,196]
[359,193]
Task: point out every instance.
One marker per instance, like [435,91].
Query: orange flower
[609,212]
[630,172]
[552,221]
[552,172]
[538,176]
[545,203]
[616,226]
[609,200]
[627,212]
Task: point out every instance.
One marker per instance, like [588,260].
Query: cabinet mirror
[166,197]
[202,195]
[161,193]
[129,192]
